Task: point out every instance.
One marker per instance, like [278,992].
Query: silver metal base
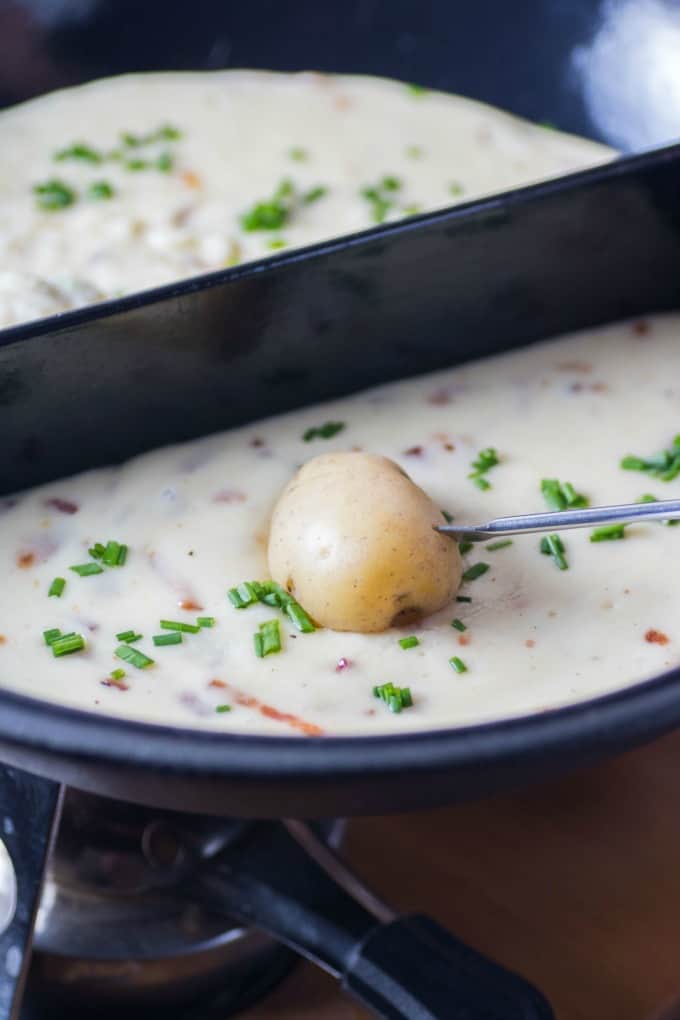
[112,932]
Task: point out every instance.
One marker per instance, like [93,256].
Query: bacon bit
[3,639]
[217,683]
[269,712]
[111,681]
[342,102]
[190,605]
[530,643]
[356,449]
[413,451]
[342,664]
[596,387]
[464,639]
[229,496]
[439,397]
[64,506]
[256,441]
[26,559]
[641,327]
[575,366]
[191,179]
[656,637]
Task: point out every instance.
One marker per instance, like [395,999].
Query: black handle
[401,968]
[29,812]
[413,969]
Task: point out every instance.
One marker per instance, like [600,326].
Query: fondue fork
[559,520]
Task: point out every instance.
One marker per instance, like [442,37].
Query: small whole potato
[352,540]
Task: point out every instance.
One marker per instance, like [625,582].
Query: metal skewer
[558,520]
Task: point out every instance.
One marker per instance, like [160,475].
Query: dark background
[513,53]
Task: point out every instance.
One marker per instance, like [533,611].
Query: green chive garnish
[610,533]
[271,594]
[475,571]
[273,213]
[67,644]
[416,90]
[464,547]
[458,664]
[243,596]
[99,191]
[447,516]
[458,624]
[326,431]
[298,617]
[409,642]
[223,708]
[455,188]
[188,628]
[414,151]
[205,621]
[128,637]
[298,154]
[267,640]
[54,195]
[79,151]
[97,551]
[495,546]
[50,636]
[87,569]
[664,465]
[175,638]
[114,554]
[551,545]
[57,587]
[396,698]
[486,459]
[276,243]
[133,656]
[562,495]
[314,194]
[165,162]
[463,598]
[117,674]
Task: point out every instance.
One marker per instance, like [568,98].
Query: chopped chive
[610,533]
[205,621]
[80,151]
[242,596]
[97,551]
[87,569]
[552,545]
[276,243]
[57,587]
[165,162]
[463,598]
[486,459]
[99,191]
[298,617]
[54,195]
[114,554]
[117,674]
[455,188]
[223,708]
[133,656]
[414,151]
[416,90]
[458,664]
[409,642]
[298,154]
[50,636]
[458,624]
[273,213]
[326,431]
[174,638]
[128,637]
[188,628]
[267,640]
[67,644]
[447,516]
[314,194]
[464,547]
[664,465]
[396,698]
[136,164]
[562,495]
[495,546]
[475,571]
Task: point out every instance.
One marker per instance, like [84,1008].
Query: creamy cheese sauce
[240,134]
[195,518]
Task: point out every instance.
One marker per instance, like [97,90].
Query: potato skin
[352,539]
